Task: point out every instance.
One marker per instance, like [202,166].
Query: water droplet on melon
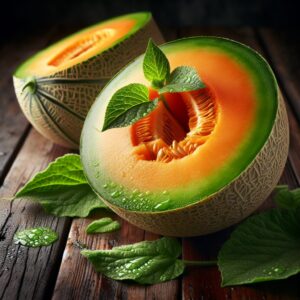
[115,194]
[163,205]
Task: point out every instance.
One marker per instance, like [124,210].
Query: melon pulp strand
[56,87]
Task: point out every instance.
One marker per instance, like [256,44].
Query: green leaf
[128,105]
[147,262]
[183,79]
[265,247]
[103,225]
[62,189]
[36,237]
[288,199]
[156,65]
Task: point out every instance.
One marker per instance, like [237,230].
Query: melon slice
[205,163]
[56,87]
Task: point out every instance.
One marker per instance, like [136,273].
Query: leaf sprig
[62,189]
[131,103]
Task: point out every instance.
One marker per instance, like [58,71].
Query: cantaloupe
[56,87]
[205,165]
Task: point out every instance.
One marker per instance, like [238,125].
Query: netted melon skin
[61,101]
[234,202]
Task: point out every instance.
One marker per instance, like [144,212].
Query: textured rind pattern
[84,82]
[234,202]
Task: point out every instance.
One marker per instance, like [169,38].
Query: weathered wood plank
[205,283]
[28,273]
[282,47]
[77,278]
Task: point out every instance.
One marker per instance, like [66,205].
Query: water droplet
[115,194]
[279,270]
[163,205]
[105,186]
[275,271]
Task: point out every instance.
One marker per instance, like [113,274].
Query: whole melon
[56,87]
[204,164]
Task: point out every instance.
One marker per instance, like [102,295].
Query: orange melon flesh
[78,47]
[220,147]
[246,98]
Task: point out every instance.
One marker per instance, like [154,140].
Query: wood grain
[28,273]
[282,47]
[77,278]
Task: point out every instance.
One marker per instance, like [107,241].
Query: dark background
[19,18]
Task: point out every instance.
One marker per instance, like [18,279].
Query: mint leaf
[156,65]
[128,105]
[36,237]
[103,225]
[287,199]
[147,262]
[183,79]
[62,189]
[265,247]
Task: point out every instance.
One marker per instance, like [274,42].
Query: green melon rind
[232,203]
[266,89]
[77,87]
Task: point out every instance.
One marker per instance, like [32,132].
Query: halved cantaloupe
[208,162]
[57,86]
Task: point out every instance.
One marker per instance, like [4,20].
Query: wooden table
[58,271]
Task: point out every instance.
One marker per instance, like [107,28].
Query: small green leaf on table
[147,262]
[155,65]
[103,225]
[128,105]
[62,189]
[36,237]
[265,247]
[183,79]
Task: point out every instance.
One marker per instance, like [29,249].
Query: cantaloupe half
[206,165]
[57,86]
